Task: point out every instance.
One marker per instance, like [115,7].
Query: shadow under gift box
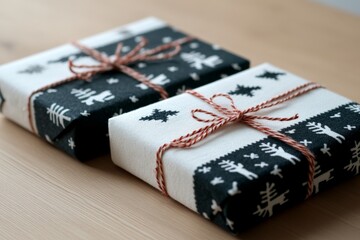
[74,116]
[238,176]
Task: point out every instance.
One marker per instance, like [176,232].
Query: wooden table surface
[44,194]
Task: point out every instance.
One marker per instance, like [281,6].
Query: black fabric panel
[334,138]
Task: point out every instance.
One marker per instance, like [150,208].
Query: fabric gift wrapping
[74,116]
[238,176]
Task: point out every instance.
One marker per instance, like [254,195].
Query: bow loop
[95,54]
[214,116]
[117,54]
[86,75]
[136,50]
[223,109]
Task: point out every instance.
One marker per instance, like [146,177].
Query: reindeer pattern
[279,171]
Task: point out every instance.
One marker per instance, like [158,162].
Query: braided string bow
[234,115]
[117,62]
[121,63]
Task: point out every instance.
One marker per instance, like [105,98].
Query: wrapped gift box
[238,176]
[73,116]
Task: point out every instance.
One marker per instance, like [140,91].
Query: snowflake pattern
[223,75]
[234,190]
[194,45]
[251,155]
[195,76]
[230,223]
[173,69]
[181,90]
[141,65]
[216,181]
[305,142]
[326,150]
[112,80]
[215,207]
[350,127]
[205,169]
[291,131]
[85,113]
[166,39]
[261,165]
[336,115]
[51,90]
[71,143]
[125,49]
[118,113]
[48,139]
[276,171]
[236,66]
[133,99]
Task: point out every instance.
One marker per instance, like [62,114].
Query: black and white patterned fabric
[267,176]
[238,176]
[74,116]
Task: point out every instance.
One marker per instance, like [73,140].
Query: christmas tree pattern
[32,69]
[161,115]
[270,198]
[246,91]
[57,114]
[320,177]
[270,75]
[354,165]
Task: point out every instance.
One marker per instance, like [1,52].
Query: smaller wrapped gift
[241,149]
[67,94]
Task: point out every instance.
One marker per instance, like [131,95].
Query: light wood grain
[44,194]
